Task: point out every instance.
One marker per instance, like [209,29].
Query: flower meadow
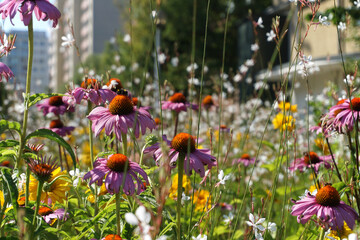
[124,154]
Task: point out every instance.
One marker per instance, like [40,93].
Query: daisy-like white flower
[178,103]
[55,105]
[260,22]
[192,67]
[222,178]
[43,9]
[255,222]
[58,127]
[120,116]
[90,90]
[270,35]
[310,160]
[328,207]
[76,176]
[162,58]
[127,38]
[324,20]
[175,61]
[196,160]
[68,40]
[254,47]
[271,227]
[199,237]
[50,215]
[357,4]
[228,218]
[141,218]
[5,72]
[237,77]
[112,170]
[342,26]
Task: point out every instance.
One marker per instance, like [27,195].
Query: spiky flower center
[208,101]
[181,142]
[178,98]
[311,158]
[117,163]
[355,102]
[121,105]
[328,196]
[157,121]
[136,101]
[115,84]
[5,163]
[56,101]
[245,156]
[43,211]
[112,237]
[223,127]
[56,124]
[42,171]
[88,83]
[336,112]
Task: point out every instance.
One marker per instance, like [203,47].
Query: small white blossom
[243,68]
[175,61]
[192,67]
[162,58]
[272,227]
[68,40]
[76,176]
[228,218]
[223,178]
[153,13]
[200,237]
[260,22]
[117,58]
[270,35]
[135,66]
[127,38]
[249,80]
[249,62]
[142,219]
[184,198]
[237,78]
[254,47]
[224,76]
[349,79]
[323,20]
[357,4]
[342,26]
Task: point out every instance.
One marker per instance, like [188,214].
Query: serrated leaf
[7,153]
[35,98]
[9,125]
[9,143]
[10,187]
[46,133]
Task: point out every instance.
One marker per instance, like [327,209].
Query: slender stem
[60,157]
[38,197]
[124,145]
[333,159]
[117,197]
[176,123]
[179,193]
[27,183]
[91,143]
[322,234]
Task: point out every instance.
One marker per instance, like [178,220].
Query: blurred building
[17,61]
[94,22]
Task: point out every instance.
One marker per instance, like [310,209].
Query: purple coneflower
[5,72]
[90,90]
[179,145]
[120,116]
[43,9]
[246,160]
[54,105]
[327,206]
[178,103]
[58,127]
[208,102]
[310,160]
[113,169]
[50,216]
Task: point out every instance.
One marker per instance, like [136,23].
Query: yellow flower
[56,192]
[284,122]
[84,157]
[341,234]
[201,198]
[321,145]
[287,106]
[174,186]
[3,136]
[2,200]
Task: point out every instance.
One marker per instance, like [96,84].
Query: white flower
[117,58]
[200,237]
[120,69]
[142,219]
[127,38]
[254,47]
[135,66]
[260,22]
[323,20]
[237,78]
[112,40]
[206,69]
[249,62]
[228,218]
[349,79]
[271,227]
[191,67]
[243,68]
[249,80]
[153,13]
[184,198]
[224,76]
[137,80]
[91,72]
[68,40]
[6,45]
[342,26]
[352,236]
[76,175]
[175,61]
[222,178]
[270,35]
[357,4]
[294,1]
[161,58]
[255,222]
[194,81]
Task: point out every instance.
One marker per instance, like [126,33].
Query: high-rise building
[17,61]
[94,22]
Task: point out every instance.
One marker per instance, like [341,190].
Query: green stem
[176,123]
[179,193]
[124,145]
[322,234]
[27,183]
[91,142]
[117,197]
[38,197]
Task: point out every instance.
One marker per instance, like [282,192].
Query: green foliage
[35,98]
[9,125]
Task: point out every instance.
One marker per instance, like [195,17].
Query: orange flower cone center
[113,237]
[336,112]
[56,124]
[5,163]
[245,156]
[118,85]
[328,196]
[136,101]
[43,211]
[118,162]
[56,101]
[355,102]
[121,105]
[88,83]
[178,98]
[157,121]
[181,142]
[312,157]
[42,170]
[208,101]
[223,127]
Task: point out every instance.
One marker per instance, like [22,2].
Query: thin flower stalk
[179,194]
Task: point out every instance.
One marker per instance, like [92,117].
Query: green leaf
[9,143]
[46,133]
[7,153]
[167,228]
[9,125]
[10,187]
[35,98]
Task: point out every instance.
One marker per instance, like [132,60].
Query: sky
[19,25]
